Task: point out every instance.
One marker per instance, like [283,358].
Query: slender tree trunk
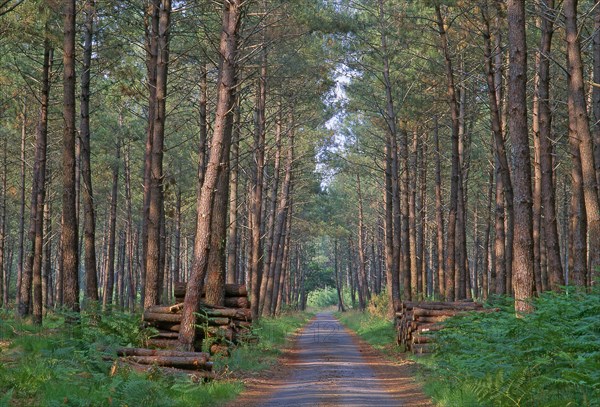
[450,260]
[152,34]
[439,213]
[21,243]
[3,270]
[550,227]
[256,198]
[415,286]
[596,89]
[220,138]
[32,271]
[283,212]
[215,283]
[504,190]
[404,193]
[577,270]
[89,226]
[266,294]
[580,116]
[131,288]
[232,239]
[363,288]
[522,268]
[338,281]
[155,256]
[109,271]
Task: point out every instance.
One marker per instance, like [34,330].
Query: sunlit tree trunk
[522,268]
[581,119]
[450,260]
[225,98]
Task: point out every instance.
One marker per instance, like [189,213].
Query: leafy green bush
[322,297]
[548,358]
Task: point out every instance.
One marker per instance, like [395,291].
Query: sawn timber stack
[414,319]
[224,326]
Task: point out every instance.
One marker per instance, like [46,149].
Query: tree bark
[439,213]
[109,270]
[550,227]
[89,226]
[156,203]
[586,147]
[226,88]
[522,267]
[256,197]
[32,268]
[455,175]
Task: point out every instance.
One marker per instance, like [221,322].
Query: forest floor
[328,365]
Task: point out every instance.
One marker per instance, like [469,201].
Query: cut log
[237,302]
[242,314]
[162,343]
[163,353]
[161,317]
[165,309]
[180,362]
[231,290]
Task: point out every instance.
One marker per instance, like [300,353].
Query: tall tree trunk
[415,283]
[32,271]
[256,197]
[155,256]
[220,138]
[404,193]
[362,261]
[596,89]
[283,213]
[522,268]
[586,147]
[109,271]
[455,175]
[20,243]
[131,287]
[271,248]
[3,270]
[392,194]
[151,36]
[215,283]
[232,236]
[89,226]
[577,225]
[338,281]
[504,190]
[439,213]
[40,198]
[550,227]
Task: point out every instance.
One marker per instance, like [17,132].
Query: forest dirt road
[329,366]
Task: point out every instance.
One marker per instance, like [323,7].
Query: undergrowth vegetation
[373,326]
[548,358]
[69,365]
[271,334]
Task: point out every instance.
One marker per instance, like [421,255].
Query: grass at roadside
[272,334]
[373,326]
[64,364]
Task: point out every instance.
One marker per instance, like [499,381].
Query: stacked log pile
[415,319]
[193,364]
[225,326]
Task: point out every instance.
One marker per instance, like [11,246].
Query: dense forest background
[439,149]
